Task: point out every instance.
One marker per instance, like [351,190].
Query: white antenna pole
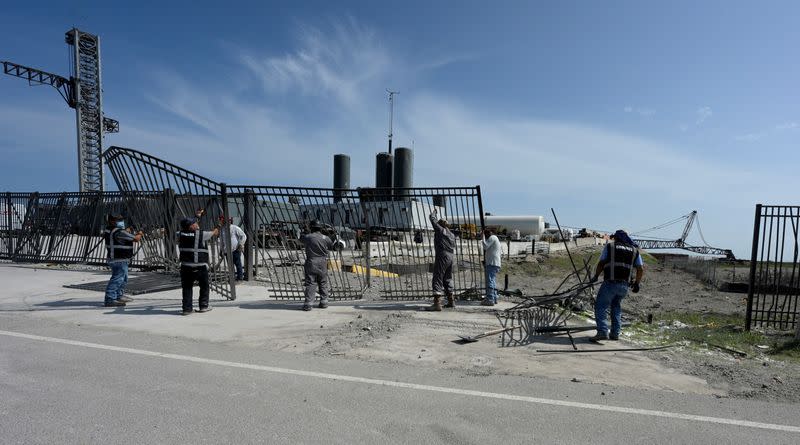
[391,116]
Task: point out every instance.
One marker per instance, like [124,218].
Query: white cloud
[645,112]
[337,62]
[787,126]
[703,114]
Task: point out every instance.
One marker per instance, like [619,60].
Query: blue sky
[617,114]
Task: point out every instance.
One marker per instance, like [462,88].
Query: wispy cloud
[645,112]
[703,113]
[787,126]
[338,62]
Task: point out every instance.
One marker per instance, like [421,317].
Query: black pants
[190,274]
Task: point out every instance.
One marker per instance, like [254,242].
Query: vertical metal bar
[753,260]
[226,233]
[11,209]
[248,221]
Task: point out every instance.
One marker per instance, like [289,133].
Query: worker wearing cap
[315,269]
[618,261]
[194,257]
[492,253]
[444,243]
[119,245]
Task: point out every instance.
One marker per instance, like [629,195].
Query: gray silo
[383,170]
[403,169]
[341,175]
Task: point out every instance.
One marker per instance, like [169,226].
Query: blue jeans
[237,263]
[610,295]
[491,283]
[119,278]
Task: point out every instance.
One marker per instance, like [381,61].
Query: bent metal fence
[398,239]
[772,300]
[58,227]
[180,194]
[387,235]
[274,218]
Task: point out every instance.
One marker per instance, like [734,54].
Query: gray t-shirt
[317,245]
[443,239]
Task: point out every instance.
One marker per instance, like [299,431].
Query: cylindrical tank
[341,175]
[383,170]
[403,170]
[526,224]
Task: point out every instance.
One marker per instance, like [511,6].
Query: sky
[617,114]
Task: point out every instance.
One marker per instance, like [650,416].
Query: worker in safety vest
[119,245]
[618,261]
[194,257]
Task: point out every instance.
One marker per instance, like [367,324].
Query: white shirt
[237,237]
[492,250]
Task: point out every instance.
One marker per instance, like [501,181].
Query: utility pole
[391,115]
[83,91]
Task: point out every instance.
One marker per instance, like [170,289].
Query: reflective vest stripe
[113,247]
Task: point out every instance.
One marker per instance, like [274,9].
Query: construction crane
[680,243]
[83,91]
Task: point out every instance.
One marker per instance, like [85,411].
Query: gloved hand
[240,247]
[635,287]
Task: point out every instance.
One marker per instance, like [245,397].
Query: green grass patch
[716,331]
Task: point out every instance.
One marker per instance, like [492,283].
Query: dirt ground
[665,292]
[401,333]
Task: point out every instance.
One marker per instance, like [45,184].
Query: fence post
[753,260]
[248,221]
[168,202]
[226,236]
[9,220]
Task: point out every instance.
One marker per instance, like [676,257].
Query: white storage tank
[526,224]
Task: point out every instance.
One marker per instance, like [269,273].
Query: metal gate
[180,194]
[275,217]
[774,273]
[398,236]
[57,227]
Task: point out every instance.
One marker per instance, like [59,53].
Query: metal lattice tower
[83,91]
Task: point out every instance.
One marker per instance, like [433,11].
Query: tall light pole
[391,115]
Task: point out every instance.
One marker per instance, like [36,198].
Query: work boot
[114,303]
[436,306]
[451,302]
[124,299]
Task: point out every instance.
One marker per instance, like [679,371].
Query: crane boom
[680,243]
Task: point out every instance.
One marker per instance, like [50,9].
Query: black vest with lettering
[193,250]
[620,260]
[117,248]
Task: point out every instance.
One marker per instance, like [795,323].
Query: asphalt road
[62,383]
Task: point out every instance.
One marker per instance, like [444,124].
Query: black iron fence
[772,300]
[387,233]
[182,193]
